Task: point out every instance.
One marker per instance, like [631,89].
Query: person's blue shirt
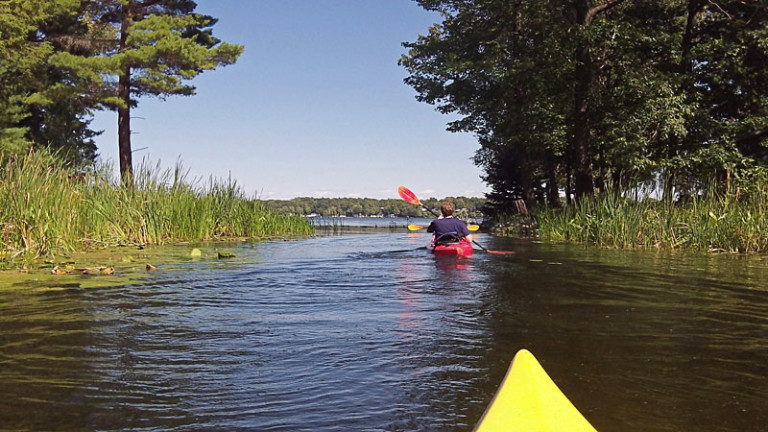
[448,225]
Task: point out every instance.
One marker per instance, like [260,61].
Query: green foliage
[162,55]
[621,92]
[61,60]
[732,222]
[471,207]
[47,208]
[32,111]
[18,59]
[163,44]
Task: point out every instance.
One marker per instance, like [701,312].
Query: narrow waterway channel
[367,332]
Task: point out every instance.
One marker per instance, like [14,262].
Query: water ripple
[370,333]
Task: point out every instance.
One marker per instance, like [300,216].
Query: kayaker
[447,224]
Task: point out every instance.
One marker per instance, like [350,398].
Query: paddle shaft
[429,210]
[480,246]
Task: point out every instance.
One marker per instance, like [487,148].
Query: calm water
[366,332]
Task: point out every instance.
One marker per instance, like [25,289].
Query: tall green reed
[46,208]
[729,221]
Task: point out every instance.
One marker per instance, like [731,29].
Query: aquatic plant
[733,221]
[47,208]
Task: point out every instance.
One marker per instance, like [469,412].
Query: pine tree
[21,57]
[150,47]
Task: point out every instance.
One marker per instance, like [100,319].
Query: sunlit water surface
[367,332]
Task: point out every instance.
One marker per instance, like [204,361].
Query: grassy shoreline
[47,210]
[732,222]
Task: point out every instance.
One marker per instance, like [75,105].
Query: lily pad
[99,270]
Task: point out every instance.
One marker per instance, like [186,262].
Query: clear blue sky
[316,106]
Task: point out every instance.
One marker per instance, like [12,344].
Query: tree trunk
[686,65]
[526,175]
[553,192]
[124,128]
[521,96]
[675,144]
[580,146]
[124,113]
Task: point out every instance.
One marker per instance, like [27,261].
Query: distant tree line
[469,207]
[576,97]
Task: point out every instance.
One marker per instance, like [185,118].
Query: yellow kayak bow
[528,400]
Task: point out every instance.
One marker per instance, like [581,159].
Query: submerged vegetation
[47,209]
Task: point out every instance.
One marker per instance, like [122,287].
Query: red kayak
[459,249]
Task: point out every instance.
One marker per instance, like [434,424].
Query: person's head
[446,209]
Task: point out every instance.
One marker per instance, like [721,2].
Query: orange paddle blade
[408,196]
[414,227]
[473,227]
[498,252]
[493,252]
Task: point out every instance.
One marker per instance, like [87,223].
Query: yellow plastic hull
[528,400]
